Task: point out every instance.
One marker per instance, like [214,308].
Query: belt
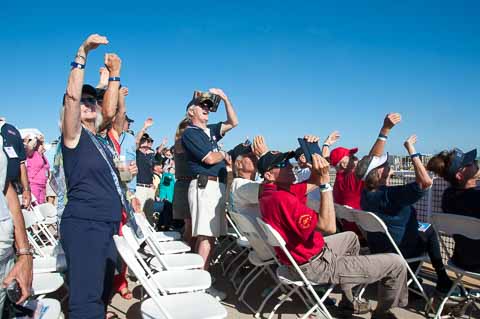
[319,255]
[210,178]
[185,178]
[144,185]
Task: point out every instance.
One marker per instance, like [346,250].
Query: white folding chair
[261,256]
[46,283]
[450,224]
[42,241]
[159,261]
[49,213]
[162,306]
[169,246]
[46,264]
[369,222]
[241,242]
[158,235]
[275,240]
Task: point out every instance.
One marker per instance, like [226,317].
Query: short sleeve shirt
[128,149]
[394,205]
[15,151]
[198,143]
[286,211]
[145,167]
[347,189]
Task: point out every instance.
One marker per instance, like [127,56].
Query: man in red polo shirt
[333,259]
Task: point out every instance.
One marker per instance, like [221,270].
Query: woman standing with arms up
[93,212]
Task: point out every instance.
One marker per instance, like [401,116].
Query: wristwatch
[325,187]
[25,251]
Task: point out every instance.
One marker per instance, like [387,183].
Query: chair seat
[179,262]
[49,264]
[285,276]
[170,247]
[167,235]
[196,305]
[455,268]
[177,281]
[46,283]
[50,308]
[256,261]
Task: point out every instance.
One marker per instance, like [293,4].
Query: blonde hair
[178,134]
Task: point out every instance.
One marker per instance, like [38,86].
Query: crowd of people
[99,174]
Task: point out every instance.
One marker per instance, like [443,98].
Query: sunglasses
[283,164]
[88,100]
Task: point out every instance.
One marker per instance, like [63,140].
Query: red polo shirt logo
[305,221]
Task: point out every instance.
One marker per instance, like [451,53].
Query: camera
[207,99]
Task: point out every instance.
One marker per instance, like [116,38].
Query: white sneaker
[218,294]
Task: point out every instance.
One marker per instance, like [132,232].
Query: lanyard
[126,205]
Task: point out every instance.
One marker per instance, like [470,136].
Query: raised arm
[103,81]
[421,175]
[73,94]
[148,123]
[110,99]
[388,123]
[331,139]
[232,119]
[326,213]
[119,119]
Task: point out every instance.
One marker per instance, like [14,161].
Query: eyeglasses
[88,100]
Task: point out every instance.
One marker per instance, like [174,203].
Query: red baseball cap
[338,153]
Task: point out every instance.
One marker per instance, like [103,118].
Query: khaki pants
[341,264]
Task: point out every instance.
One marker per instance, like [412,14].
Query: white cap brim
[376,161]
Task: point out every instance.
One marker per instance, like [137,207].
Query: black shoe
[384,315]
[358,307]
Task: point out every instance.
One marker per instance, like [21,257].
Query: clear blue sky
[289,67]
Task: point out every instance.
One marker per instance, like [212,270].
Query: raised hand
[391,120]
[332,138]
[123,91]
[104,75]
[219,92]
[113,63]
[321,167]
[409,144]
[311,138]
[93,42]
[165,141]
[148,123]
[259,146]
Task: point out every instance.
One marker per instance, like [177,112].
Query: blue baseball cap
[461,159]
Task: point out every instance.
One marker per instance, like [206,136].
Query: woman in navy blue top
[394,205]
[93,211]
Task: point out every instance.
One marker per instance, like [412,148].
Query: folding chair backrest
[143,223]
[452,224]
[47,210]
[247,226]
[369,222]
[133,263]
[131,238]
[29,218]
[235,227]
[344,213]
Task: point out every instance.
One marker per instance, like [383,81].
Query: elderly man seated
[245,186]
[333,259]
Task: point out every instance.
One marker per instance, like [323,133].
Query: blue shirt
[198,144]
[12,138]
[128,148]
[91,190]
[394,205]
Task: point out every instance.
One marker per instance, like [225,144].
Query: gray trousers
[341,264]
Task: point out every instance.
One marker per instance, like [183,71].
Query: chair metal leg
[285,298]
[264,302]
[237,269]
[234,260]
[257,269]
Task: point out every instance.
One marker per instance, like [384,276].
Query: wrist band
[415,155]
[76,65]
[382,137]
[325,144]
[24,251]
[114,78]
[325,188]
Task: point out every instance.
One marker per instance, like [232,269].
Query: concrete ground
[131,309]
